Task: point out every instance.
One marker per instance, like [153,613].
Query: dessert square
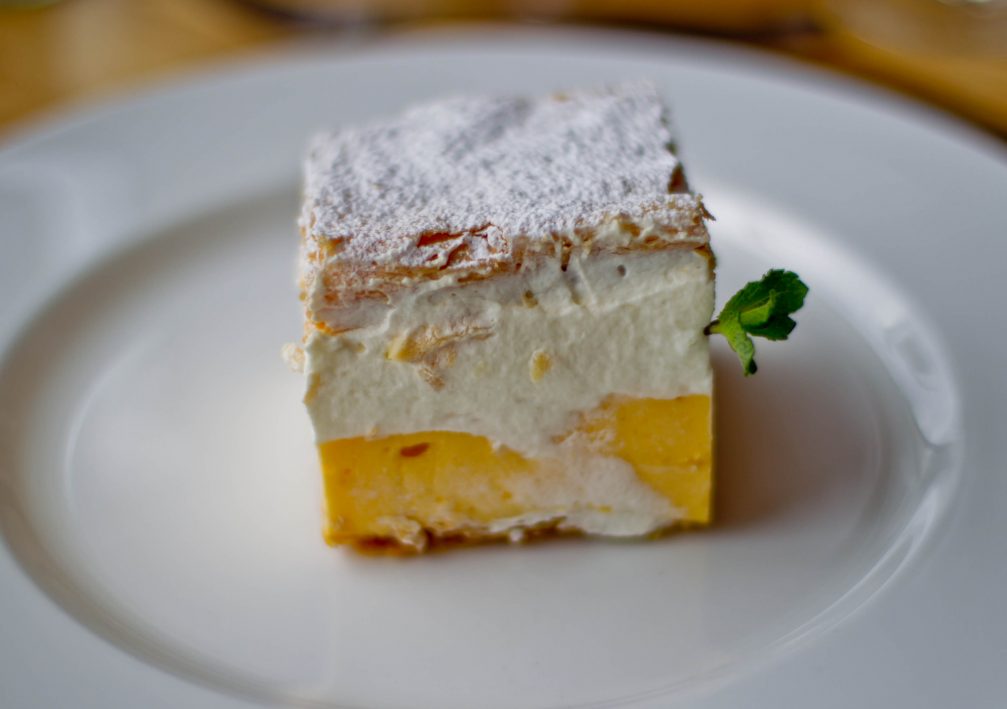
[505,301]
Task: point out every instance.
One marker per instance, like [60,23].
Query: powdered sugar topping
[484,171]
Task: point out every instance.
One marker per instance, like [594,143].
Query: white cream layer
[629,324]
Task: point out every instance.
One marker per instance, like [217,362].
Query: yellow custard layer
[446,484]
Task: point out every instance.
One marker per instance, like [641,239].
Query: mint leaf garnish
[761,308]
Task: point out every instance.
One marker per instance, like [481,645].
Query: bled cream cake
[505,304]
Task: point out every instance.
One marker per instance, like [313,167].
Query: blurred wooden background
[54,53]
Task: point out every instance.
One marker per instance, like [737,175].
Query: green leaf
[762,308]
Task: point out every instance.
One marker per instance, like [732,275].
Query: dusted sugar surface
[497,169]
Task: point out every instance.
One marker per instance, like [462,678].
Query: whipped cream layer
[516,358]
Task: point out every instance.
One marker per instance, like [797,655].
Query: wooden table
[74,50]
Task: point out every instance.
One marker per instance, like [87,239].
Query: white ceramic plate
[159,497]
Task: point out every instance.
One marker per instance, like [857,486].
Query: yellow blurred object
[733,16]
[951,52]
[724,16]
[974,29]
[80,48]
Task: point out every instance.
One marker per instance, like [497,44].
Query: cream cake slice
[505,301]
